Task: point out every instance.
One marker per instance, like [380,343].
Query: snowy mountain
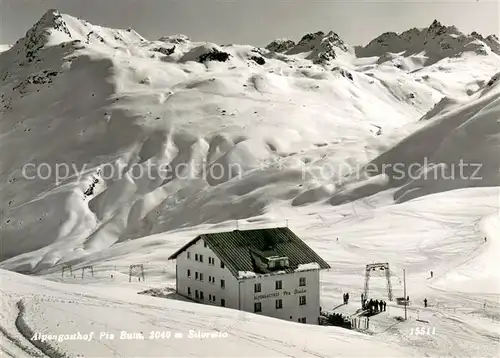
[236,126]
[431,44]
[117,150]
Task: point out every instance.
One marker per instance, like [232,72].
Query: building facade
[268,271]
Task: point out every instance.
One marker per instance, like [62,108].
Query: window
[196,257]
[222,302]
[189,291]
[211,261]
[302,281]
[302,320]
[201,276]
[201,258]
[196,275]
[279,304]
[222,283]
[257,287]
[210,297]
[189,255]
[257,307]
[221,264]
[302,300]
[279,285]
[213,298]
[201,296]
[213,280]
[204,244]
[189,273]
[196,294]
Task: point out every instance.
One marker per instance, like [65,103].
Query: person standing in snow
[347,298]
[425,302]
[385,305]
[432,274]
[381,305]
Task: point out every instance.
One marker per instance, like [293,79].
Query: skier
[425,302]
[381,305]
[343,296]
[432,274]
[385,304]
[347,298]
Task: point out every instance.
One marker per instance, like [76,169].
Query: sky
[256,22]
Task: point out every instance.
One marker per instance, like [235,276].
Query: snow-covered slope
[218,132]
[458,149]
[206,331]
[4,48]
[441,232]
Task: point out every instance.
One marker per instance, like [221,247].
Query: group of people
[346,298]
[374,306]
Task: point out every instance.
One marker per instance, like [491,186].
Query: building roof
[235,248]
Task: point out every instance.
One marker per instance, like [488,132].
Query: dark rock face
[344,73]
[36,37]
[493,80]
[214,55]
[280,45]
[176,39]
[44,77]
[310,37]
[163,50]
[258,60]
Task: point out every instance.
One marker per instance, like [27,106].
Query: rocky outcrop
[214,55]
[321,48]
[435,42]
[280,45]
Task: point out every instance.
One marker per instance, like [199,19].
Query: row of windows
[279,285]
[211,279]
[211,298]
[199,258]
[257,306]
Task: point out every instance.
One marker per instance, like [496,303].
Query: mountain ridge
[240,128]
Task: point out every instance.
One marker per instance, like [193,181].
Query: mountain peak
[435,24]
[42,32]
[52,19]
[318,46]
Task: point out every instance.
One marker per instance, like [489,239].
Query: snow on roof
[309,266]
[246,274]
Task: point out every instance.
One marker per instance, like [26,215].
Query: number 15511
[423,331]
